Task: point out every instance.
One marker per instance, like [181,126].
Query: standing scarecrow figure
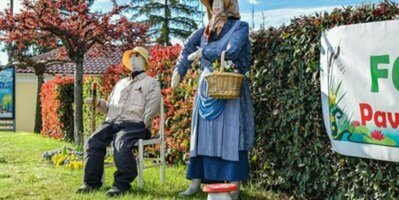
[222,131]
[134,102]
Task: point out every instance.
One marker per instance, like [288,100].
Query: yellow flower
[78,164]
[109,159]
[75,165]
[61,160]
[216,66]
[332,98]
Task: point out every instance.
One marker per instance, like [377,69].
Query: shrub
[292,152]
[178,103]
[56,99]
[65,97]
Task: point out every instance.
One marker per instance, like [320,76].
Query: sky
[267,12]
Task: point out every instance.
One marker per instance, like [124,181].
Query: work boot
[192,189]
[87,188]
[114,191]
[235,195]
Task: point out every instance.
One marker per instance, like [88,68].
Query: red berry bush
[57,101]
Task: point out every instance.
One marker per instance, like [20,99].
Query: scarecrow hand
[88,101]
[196,55]
[175,79]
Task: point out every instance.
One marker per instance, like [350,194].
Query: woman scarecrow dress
[222,131]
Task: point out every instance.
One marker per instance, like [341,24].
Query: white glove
[196,55]
[88,101]
[175,79]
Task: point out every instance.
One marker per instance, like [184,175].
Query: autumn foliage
[178,103]
[49,23]
[56,105]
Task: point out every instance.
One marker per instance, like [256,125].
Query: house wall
[25,101]
[25,96]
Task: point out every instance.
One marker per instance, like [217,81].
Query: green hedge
[65,91]
[292,152]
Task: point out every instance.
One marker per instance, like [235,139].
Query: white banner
[360,89]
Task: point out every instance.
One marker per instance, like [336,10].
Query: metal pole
[253,16]
[10,53]
[12,6]
[203,11]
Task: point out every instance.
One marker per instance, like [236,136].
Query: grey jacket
[136,100]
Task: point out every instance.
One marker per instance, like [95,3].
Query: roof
[92,66]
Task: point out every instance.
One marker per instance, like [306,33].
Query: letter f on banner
[378,73]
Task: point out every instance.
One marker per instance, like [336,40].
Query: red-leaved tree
[70,24]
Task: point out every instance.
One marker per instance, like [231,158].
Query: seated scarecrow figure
[133,104]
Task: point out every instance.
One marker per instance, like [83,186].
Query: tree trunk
[166,38]
[38,114]
[78,96]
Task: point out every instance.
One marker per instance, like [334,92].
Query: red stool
[220,191]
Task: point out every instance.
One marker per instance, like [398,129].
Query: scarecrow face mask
[137,62]
[217,6]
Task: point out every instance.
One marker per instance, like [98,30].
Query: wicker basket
[224,85]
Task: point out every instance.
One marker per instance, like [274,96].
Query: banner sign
[360,89]
[7,93]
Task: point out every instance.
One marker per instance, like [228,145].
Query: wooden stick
[223,62]
[93,107]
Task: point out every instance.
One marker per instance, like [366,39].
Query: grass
[24,174]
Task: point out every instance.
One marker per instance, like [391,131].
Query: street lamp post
[253,2]
[12,6]
[10,53]
[253,16]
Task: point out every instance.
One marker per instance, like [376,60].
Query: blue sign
[7,93]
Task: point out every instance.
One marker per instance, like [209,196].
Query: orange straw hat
[139,50]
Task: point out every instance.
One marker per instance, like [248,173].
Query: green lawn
[24,174]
